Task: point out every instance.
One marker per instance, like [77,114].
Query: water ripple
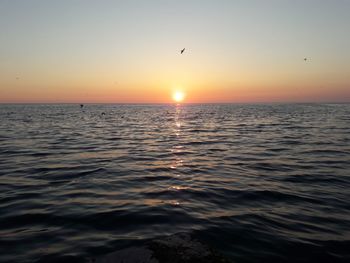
[258,182]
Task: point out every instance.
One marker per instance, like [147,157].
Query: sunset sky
[129,51]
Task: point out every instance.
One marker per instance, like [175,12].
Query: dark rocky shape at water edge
[176,248]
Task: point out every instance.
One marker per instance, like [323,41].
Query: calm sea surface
[261,183]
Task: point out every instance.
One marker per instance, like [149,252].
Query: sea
[257,182]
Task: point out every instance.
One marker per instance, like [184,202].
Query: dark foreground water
[261,183]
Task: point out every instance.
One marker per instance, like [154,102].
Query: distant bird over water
[81,105]
[183,50]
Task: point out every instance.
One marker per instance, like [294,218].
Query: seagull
[182,50]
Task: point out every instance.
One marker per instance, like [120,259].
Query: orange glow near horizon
[200,93]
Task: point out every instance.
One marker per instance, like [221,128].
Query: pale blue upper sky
[52,42]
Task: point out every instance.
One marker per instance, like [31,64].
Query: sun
[178,96]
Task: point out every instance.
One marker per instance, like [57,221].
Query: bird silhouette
[81,105]
[182,50]
[305,59]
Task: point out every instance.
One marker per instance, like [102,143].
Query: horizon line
[175,103]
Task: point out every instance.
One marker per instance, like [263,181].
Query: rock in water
[176,248]
[129,255]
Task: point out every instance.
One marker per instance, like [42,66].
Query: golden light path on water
[177,149]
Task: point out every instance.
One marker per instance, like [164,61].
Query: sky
[82,51]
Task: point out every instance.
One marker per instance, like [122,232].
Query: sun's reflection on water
[177,150]
[177,188]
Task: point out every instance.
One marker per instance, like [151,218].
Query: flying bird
[182,50]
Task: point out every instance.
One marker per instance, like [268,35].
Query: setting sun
[178,96]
